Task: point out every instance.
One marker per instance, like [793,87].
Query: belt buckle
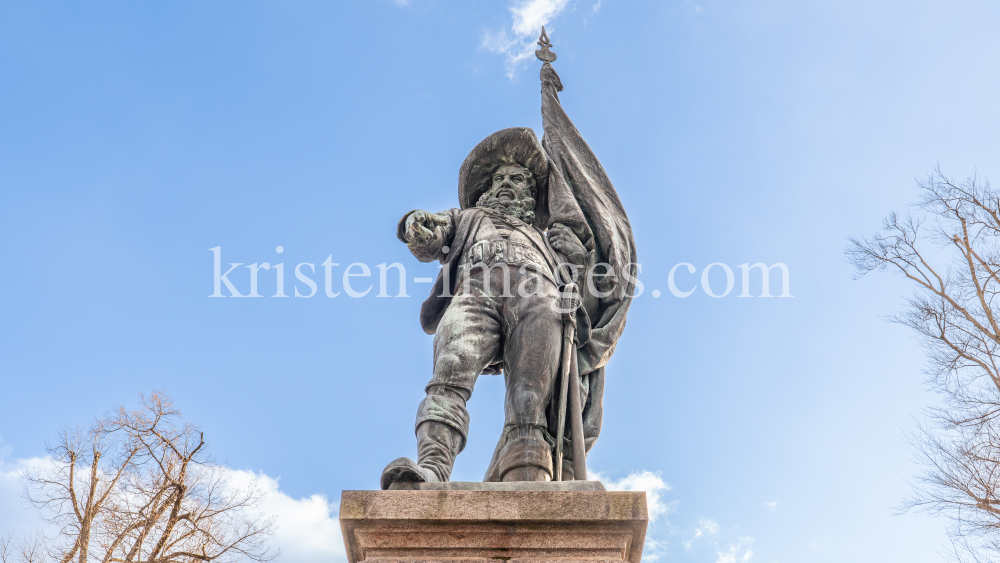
[498,251]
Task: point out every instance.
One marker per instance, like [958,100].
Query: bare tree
[138,487]
[27,549]
[953,258]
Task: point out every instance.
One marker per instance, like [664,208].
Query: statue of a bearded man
[535,218]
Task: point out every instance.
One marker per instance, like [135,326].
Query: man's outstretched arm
[426,233]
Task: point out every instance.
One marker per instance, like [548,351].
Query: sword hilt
[569,302]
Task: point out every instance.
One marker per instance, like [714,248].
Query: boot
[437,446]
[527,458]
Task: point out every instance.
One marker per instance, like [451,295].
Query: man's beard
[523,208]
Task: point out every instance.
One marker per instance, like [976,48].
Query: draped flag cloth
[581,196]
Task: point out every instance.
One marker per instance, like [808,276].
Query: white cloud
[531,15]
[307,528]
[653,549]
[642,481]
[772,505]
[16,515]
[693,7]
[518,43]
[705,527]
[741,552]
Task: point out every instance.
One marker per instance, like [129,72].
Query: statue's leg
[531,356]
[466,341]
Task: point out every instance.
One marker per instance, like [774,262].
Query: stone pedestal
[585,525]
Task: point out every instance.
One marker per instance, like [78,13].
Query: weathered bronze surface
[538,271]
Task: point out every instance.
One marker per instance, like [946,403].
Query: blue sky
[134,137]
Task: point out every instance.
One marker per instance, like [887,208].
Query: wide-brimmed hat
[517,145]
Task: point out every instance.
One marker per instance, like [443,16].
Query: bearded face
[512,193]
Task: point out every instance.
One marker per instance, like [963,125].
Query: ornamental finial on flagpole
[544,54]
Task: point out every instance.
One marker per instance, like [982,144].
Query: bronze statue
[538,270]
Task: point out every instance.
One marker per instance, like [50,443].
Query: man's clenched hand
[421,226]
[565,241]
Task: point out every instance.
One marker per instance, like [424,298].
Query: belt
[490,252]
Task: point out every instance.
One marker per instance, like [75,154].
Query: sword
[570,386]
